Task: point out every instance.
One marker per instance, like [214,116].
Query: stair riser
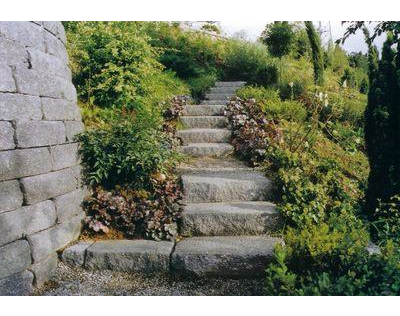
[213,224]
[214,102]
[203,110]
[219,96]
[204,121]
[230,84]
[215,152]
[226,191]
[188,136]
[223,90]
[238,257]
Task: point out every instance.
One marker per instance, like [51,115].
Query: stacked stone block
[40,186]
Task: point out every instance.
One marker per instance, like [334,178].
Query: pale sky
[253,29]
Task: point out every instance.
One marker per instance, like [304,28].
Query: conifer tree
[381,126]
[317,53]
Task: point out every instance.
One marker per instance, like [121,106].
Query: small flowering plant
[252,132]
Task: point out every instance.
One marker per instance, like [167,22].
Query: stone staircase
[227,222]
[226,218]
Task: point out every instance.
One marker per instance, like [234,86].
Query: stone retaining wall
[40,187]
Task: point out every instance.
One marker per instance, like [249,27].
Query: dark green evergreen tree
[381,126]
[317,52]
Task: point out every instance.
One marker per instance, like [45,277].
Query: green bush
[125,154]
[249,62]
[200,85]
[270,103]
[114,64]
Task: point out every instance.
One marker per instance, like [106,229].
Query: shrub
[270,103]
[317,53]
[114,65]
[279,38]
[200,85]
[249,62]
[125,154]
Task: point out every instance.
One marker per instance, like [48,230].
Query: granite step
[214,102]
[230,219]
[204,121]
[211,164]
[204,110]
[207,149]
[219,96]
[231,90]
[230,83]
[217,186]
[223,256]
[204,135]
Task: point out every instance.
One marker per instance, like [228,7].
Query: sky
[253,29]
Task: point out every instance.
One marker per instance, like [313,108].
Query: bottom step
[228,256]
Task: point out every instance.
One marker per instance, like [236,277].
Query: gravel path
[77,281]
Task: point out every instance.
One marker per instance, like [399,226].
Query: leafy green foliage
[249,62]
[278,37]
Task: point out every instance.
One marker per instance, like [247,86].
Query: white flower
[344,85]
[291,84]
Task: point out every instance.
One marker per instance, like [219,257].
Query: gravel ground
[77,281]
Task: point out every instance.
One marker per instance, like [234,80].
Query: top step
[230,83]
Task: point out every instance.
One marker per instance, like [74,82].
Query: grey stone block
[26,220]
[226,187]
[14,258]
[230,219]
[13,53]
[68,205]
[219,96]
[15,107]
[27,33]
[35,133]
[214,102]
[41,61]
[64,156]
[73,128]
[51,26]
[44,269]
[203,110]
[226,256]
[61,33]
[78,175]
[204,135]
[207,149]
[49,185]
[58,109]
[204,121]
[236,84]
[41,83]
[10,196]
[55,47]
[24,162]
[45,242]
[130,255]
[75,255]
[7,83]
[18,284]
[6,136]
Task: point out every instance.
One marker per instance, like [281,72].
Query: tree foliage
[317,53]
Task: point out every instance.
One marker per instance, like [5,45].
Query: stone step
[230,83]
[219,96]
[203,164]
[204,135]
[230,219]
[204,110]
[145,256]
[204,121]
[231,90]
[207,149]
[214,102]
[231,186]
[223,256]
